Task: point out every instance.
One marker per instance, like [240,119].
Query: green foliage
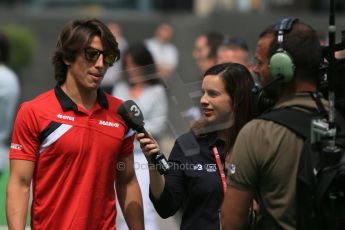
[23,45]
[3,182]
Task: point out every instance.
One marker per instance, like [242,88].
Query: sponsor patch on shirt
[232,169]
[65,117]
[110,124]
[16,146]
[197,167]
[211,167]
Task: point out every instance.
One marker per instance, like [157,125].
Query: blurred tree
[23,45]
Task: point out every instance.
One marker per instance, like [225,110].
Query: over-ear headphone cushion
[282,64]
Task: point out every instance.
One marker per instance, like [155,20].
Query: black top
[193,183]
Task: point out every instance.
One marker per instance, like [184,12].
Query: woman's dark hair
[238,83]
[74,38]
[142,57]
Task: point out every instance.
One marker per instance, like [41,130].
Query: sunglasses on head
[92,54]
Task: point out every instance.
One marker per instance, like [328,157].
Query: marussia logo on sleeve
[16,146]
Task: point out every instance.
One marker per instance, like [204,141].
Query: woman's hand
[148,145]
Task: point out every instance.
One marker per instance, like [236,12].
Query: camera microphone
[134,119]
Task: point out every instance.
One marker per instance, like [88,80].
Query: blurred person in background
[141,83]
[71,144]
[205,56]
[340,85]
[9,98]
[113,73]
[164,53]
[205,49]
[196,179]
[236,50]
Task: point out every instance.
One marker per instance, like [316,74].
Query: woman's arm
[166,192]
[150,147]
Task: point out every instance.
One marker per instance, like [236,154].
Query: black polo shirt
[193,183]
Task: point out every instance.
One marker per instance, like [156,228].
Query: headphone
[281,63]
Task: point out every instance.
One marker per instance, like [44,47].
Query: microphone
[131,114]
[261,99]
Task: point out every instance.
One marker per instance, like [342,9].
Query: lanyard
[220,167]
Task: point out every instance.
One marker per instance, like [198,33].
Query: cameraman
[265,157]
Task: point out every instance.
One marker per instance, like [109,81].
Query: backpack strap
[296,120]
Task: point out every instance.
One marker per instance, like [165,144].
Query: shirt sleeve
[25,139]
[244,163]
[127,145]
[174,190]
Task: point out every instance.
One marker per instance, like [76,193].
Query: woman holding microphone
[196,179]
